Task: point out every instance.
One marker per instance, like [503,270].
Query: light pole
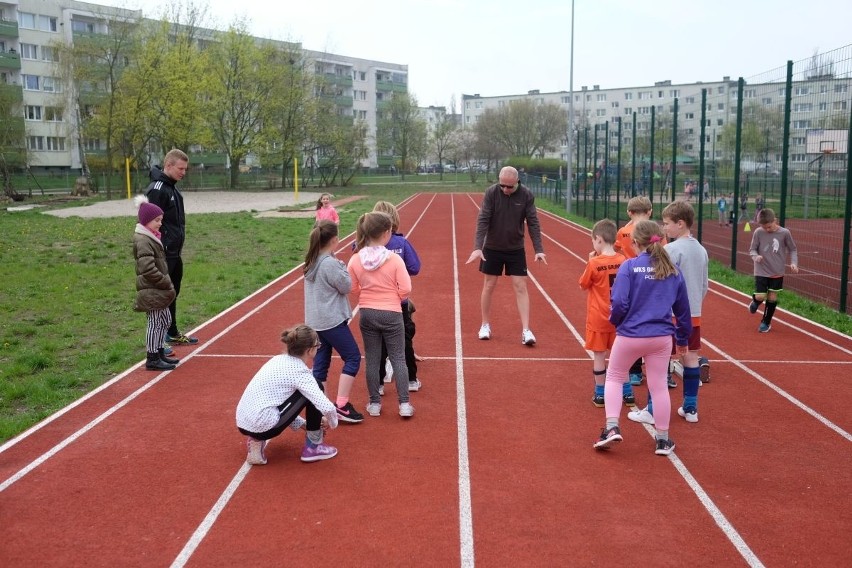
[569,171]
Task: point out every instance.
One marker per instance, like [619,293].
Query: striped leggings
[158,324]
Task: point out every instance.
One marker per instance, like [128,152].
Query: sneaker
[374,408]
[664,447]
[312,453]
[406,410]
[388,371]
[636,379]
[608,438]
[414,386]
[764,327]
[485,331]
[598,400]
[752,307]
[629,399]
[168,351]
[671,382]
[381,390]
[181,339]
[256,454]
[641,415]
[689,414]
[347,413]
[527,337]
[704,369]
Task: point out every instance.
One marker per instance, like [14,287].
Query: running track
[495,469]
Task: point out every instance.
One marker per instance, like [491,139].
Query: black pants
[288,411]
[175,264]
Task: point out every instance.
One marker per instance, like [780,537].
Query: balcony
[8,28]
[9,60]
[335,79]
[14,92]
[390,86]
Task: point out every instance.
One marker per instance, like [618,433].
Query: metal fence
[775,140]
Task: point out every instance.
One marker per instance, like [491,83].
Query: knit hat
[147,211]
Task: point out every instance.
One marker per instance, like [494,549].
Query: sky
[506,47]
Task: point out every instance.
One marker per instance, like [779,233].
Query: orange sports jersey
[624,241]
[597,279]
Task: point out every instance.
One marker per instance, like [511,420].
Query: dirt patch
[306,212]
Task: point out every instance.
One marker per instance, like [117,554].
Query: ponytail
[649,238]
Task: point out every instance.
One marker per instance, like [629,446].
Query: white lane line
[465,508]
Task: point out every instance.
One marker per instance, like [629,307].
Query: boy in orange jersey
[597,280]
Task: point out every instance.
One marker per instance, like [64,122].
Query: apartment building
[31,29]
[813,101]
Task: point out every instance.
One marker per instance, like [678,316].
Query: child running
[325,210]
[154,289]
[597,280]
[401,246]
[692,261]
[277,394]
[327,310]
[770,245]
[647,291]
[384,283]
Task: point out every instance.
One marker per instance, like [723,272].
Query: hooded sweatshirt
[327,287]
[381,278]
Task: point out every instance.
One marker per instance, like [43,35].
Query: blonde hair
[649,237]
[321,234]
[639,204]
[299,339]
[390,209]
[370,227]
[174,155]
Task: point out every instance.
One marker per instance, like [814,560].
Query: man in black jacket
[163,192]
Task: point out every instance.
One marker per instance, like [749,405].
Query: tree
[401,131]
[762,132]
[13,154]
[237,92]
[526,128]
[444,137]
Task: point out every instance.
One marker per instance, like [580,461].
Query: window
[674,93]
[690,116]
[799,140]
[600,112]
[798,157]
[839,105]
[26,20]
[721,106]
[628,111]
[48,24]
[360,114]
[719,122]
[644,110]
[766,101]
[601,97]
[659,94]
[30,82]
[720,90]
[840,88]
[49,53]
[823,107]
[801,91]
[32,112]
[565,100]
[588,98]
[823,89]
[803,107]
[81,26]
[628,96]
[56,143]
[645,95]
[29,51]
[690,100]
[614,104]
[51,85]
[801,124]
[749,93]
[362,75]
[92,145]
[53,114]
[35,142]
[359,95]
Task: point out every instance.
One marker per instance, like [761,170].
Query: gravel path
[198,202]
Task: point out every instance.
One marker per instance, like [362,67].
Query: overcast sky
[504,47]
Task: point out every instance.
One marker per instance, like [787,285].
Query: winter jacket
[162,192]
[154,288]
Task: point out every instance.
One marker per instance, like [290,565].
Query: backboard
[826,141]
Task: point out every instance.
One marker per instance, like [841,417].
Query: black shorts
[763,284]
[514,261]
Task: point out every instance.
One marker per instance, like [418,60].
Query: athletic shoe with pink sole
[317,452]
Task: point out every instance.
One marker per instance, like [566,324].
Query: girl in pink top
[325,210]
[383,282]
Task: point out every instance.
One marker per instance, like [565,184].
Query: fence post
[701,163]
[737,154]
[785,145]
[674,150]
[651,175]
[847,225]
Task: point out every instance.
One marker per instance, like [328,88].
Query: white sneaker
[256,454]
[691,416]
[485,331]
[388,371]
[381,390]
[406,410]
[527,337]
[641,415]
[414,386]
[374,408]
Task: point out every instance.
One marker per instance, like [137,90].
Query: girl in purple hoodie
[647,291]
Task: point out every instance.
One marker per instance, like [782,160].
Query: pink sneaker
[312,453]
[256,454]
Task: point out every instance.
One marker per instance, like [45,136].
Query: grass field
[67,324]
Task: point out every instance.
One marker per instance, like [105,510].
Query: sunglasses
[505,186]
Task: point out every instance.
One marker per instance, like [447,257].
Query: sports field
[496,468]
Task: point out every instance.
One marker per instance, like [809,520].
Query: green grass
[66,319]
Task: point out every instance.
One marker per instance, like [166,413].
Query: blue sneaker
[752,307]
[764,327]
[636,379]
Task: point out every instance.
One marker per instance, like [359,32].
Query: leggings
[155,333]
[288,411]
[656,351]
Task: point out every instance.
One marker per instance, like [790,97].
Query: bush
[549,167]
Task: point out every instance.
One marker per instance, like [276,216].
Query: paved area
[199,202]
